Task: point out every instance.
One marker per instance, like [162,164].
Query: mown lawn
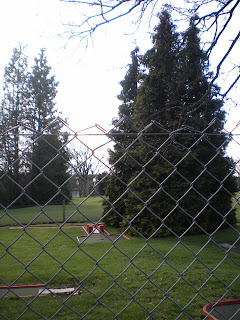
[81,210]
[130,279]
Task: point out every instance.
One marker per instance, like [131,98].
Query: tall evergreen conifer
[14,106]
[49,172]
[184,181]
[157,96]
[129,87]
[29,99]
[43,88]
[121,162]
[47,155]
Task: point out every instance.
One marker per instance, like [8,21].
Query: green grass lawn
[163,276]
[81,211]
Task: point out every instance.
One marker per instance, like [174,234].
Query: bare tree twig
[215,22]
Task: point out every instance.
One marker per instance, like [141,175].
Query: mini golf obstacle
[97,233]
[223,310]
[26,291]
[98,229]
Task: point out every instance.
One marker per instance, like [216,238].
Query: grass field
[81,211]
[163,275]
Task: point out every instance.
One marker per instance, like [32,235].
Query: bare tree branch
[214,18]
[231,86]
[105,11]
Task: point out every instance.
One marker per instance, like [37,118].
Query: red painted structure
[21,290]
[90,227]
[23,286]
[100,227]
[227,304]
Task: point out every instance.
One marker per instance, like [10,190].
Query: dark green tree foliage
[43,88]
[29,99]
[13,107]
[184,181]
[49,172]
[157,97]
[196,96]
[101,183]
[123,166]
[44,154]
[129,87]
[12,112]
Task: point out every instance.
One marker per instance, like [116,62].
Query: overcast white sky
[88,79]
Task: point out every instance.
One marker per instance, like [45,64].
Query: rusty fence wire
[122,224]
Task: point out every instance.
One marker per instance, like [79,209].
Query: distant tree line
[34,165]
[181,184]
[83,172]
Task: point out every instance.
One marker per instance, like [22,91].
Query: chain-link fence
[125,224]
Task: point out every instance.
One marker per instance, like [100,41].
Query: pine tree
[122,169]
[129,87]
[29,99]
[184,181]
[49,172]
[198,98]
[13,108]
[202,107]
[157,97]
[49,162]
[43,89]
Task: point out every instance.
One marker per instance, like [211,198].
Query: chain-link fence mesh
[125,224]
